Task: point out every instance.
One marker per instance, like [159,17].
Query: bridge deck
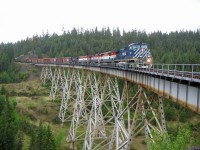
[182,87]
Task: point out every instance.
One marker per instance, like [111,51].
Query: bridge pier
[69,89]
[56,79]
[96,125]
[148,115]
[46,74]
[80,114]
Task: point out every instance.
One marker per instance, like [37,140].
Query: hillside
[33,102]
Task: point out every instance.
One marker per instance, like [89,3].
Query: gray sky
[24,18]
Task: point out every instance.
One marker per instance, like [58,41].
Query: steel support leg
[68,93]
[54,86]
[46,74]
[123,121]
[146,117]
[112,106]
[95,127]
[80,115]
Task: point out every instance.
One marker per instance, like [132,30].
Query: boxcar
[40,61]
[52,60]
[46,60]
[67,59]
[59,60]
[34,60]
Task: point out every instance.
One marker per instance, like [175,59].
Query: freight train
[134,55]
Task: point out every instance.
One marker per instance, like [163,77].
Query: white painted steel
[95,125]
[102,88]
[80,116]
[46,74]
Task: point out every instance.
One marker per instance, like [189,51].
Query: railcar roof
[137,44]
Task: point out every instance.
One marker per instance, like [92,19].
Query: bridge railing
[182,71]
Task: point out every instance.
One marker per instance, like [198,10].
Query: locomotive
[134,55]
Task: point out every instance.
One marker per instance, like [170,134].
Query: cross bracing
[111,116]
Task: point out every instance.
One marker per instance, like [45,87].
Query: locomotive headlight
[149,60]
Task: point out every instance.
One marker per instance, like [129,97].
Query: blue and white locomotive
[135,55]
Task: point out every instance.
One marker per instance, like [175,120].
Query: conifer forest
[18,130]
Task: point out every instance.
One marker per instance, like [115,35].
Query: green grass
[26,142]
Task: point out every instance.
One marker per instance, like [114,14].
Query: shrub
[23,75]
[32,107]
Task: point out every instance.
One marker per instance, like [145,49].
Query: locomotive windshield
[144,46]
[137,46]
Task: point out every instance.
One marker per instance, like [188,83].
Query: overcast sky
[24,18]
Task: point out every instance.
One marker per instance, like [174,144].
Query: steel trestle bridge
[105,112]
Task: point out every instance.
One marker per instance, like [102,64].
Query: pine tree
[49,139]
[40,136]
[8,125]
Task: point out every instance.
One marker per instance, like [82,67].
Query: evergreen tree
[42,138]
[49,142]
[3,90]
[8,125]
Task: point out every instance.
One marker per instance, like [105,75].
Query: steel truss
[100,115]
[69,88]
[112,102]
[148,116]
[56,77]
[80,114]
[46,74]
